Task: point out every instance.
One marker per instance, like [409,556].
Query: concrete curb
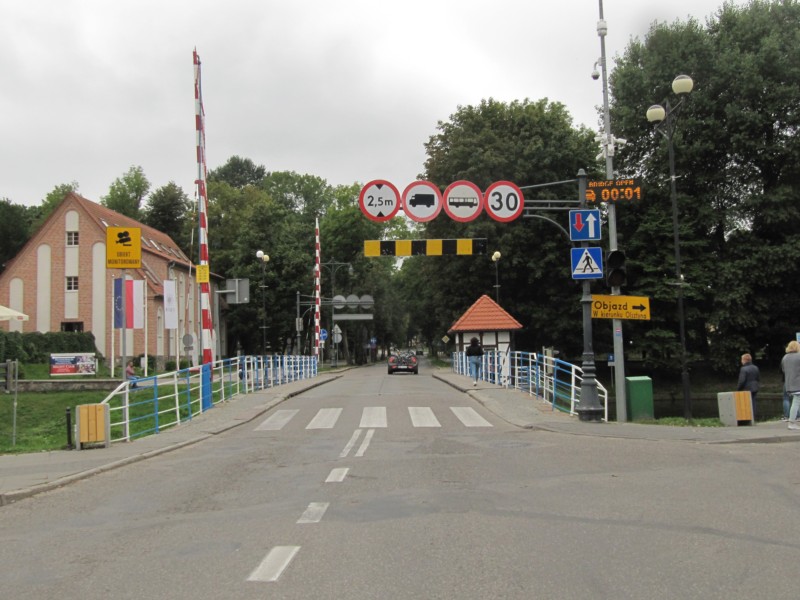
[10,497]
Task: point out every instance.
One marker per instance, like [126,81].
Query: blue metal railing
[148,405]
[555,381]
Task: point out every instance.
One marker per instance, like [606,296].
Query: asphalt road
[378,486]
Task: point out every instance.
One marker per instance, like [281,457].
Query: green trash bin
[639,398]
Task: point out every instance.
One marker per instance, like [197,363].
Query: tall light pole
[496,260]
[263,259]
[608,143]
[657,113]
[333,267]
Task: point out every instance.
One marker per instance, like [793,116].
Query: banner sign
[73,363]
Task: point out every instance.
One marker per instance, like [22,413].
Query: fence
[555,381]
[147,405]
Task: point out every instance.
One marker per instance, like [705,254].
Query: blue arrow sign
[323,334]
[584,225]
[587,263]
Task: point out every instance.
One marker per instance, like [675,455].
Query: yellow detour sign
[123,248]
[636,308]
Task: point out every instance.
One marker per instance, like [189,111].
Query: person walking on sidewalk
[790,366]
[749,380]
[474,356]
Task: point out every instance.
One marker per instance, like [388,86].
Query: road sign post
[589,408]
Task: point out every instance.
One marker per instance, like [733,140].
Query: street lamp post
[657,113]
[496,260]
[333,267]
[263,259]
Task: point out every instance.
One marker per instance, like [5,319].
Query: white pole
[144,294]
[112,325]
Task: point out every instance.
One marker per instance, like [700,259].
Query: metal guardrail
[555,381]
[148,405]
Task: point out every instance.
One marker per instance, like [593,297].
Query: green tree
[169,210]
[15,228]
[127,193]
[238,172]
[736,157]
[51,201]
[526,142]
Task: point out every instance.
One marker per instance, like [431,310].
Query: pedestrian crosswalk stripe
[325,419]
[469,416]
[278,420]
[373,416]
[422,416]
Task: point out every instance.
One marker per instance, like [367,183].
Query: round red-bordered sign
[422,201]
[463,201]
[503,201]
[379,200]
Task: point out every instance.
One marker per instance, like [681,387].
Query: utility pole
[608,143]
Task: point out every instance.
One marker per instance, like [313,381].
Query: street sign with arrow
[636,308]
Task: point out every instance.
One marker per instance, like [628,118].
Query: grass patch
[41,419]
[681,422]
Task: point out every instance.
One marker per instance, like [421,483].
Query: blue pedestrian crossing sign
[587,263]
[584,225]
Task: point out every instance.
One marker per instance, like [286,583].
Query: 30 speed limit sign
[503,201]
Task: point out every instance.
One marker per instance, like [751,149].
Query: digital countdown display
[614,190]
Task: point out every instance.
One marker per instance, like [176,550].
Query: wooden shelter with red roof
[60,280]
[487,321]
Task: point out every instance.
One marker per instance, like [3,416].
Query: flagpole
[124,343]
[112,325]
[144,299]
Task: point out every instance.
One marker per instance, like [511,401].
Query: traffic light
[615,269]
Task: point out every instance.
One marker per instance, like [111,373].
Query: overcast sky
[348,90]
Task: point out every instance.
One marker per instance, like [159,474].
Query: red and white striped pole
[202,200]
[317,298]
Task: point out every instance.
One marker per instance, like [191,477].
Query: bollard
[69,429]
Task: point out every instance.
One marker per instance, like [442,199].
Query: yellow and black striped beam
[461,247]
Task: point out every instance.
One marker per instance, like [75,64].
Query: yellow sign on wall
[203,273]
[123,248]
[636,308]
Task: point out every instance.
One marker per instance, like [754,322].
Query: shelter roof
[485,315]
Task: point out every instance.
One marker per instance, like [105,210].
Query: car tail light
[412,360]
[392,360]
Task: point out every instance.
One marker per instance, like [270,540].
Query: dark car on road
[403,362]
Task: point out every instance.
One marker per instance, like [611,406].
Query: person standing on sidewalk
[749,380]
[790,365]
[474,356]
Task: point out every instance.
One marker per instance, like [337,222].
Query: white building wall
[44,265]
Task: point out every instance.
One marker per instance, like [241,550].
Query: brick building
[60,280]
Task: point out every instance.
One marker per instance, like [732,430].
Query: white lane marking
[422,416]
[365,443]
[314,512]
[278,420]
[350,444]
[337,475]
[373,416]
[325,419]
[274,563]
[469,417]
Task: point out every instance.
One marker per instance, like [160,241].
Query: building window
[72,238]
[72,326]
[72,284]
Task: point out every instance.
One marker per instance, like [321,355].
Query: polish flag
[134,304]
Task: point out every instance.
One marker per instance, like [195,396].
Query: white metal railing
[555,381]
[148,405]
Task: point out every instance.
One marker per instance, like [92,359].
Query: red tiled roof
[153,241]
[485,315]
